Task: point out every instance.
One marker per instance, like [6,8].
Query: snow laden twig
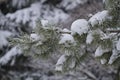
[3,38]
[10,55]
[88,73]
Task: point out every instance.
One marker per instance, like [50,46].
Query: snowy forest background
[18,17]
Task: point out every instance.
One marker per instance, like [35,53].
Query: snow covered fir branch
[101,30]
[19,16]
[29,28]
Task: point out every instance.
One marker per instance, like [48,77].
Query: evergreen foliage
[102,31]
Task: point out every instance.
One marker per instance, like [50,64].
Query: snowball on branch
[79,26]
[66,38]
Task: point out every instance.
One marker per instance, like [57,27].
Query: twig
[89,74]
[113,31]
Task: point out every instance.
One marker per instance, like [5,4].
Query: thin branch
[88,73]
[113,31]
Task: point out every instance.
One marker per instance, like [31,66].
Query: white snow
[103,1]
[66,30]
[26,15]
[103,61]
[90,15]
[99,17]
[100,51]
[79,26]
[10,55]
[44,22]
[118,45]
[90,35]
[3,37]
[29,78]
[89,38]
[19,3]
[67,4]
[115,55]
[34,12]
[55,16]
[60,62]
[35,37]
[98,32]
[71,4]
[66,38]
